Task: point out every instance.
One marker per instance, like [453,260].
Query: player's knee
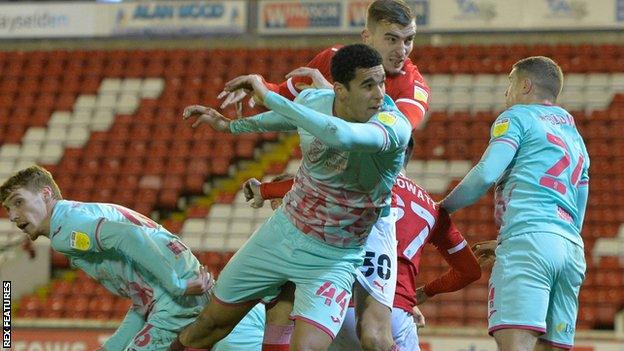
[375,340]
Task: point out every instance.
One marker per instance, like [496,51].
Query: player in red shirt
[418,220]
[390,29]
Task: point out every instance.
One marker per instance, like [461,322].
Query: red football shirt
[420,222]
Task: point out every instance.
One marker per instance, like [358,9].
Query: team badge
[387,118]
[420,94]
[500,127]
[80,241]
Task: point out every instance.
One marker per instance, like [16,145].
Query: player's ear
[366,34]
[46,192]
[340,90]
[527,85]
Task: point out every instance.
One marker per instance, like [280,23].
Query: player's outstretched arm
[128,329]
[135,243]
[207,115]
[263,122]
[332,131]
[480,178]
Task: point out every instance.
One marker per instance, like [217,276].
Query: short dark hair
[544,73]
[391,11]
[351,57]
[33,179]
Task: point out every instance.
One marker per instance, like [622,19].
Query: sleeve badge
[500,127]
[420,94]
[80,241]
[387,118]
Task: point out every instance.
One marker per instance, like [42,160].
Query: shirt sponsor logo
[420,94]
[500,127]
[80,241]
[387,118]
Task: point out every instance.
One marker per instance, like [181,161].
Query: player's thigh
[323,276]
[520,285]
[278,311]
[516,339]
[152,338]
[563,309]
[404,330]
[347,339]
[309,336]
[372,316]
[248,333]
[378,273]
[256,271]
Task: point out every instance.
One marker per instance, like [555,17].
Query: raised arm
[481,177]
[264,122]
[332,131]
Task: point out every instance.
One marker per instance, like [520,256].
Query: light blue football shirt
[538,192]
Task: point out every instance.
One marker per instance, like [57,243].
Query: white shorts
[404,332]
[378,274]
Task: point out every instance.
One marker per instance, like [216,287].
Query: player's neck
[342,111]
[46,222]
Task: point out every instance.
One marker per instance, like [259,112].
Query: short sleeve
[508,129]
[77,234]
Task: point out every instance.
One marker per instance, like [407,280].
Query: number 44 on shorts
[328,291]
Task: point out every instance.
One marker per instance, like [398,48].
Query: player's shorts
[248,333]
[175,313]
[278,252]
[535,285]
[404,332]
[378,274]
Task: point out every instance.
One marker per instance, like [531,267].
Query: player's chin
[391,68]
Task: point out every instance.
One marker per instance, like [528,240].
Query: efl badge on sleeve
[500,127]
[420,94]
[387,118]
[80,241]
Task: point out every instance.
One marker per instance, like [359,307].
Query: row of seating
[121,140]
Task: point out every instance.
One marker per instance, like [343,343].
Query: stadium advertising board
[349,16]
[570,14]
[180,17]
[296,17]
[321,16]
[49,20]
[492,15]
